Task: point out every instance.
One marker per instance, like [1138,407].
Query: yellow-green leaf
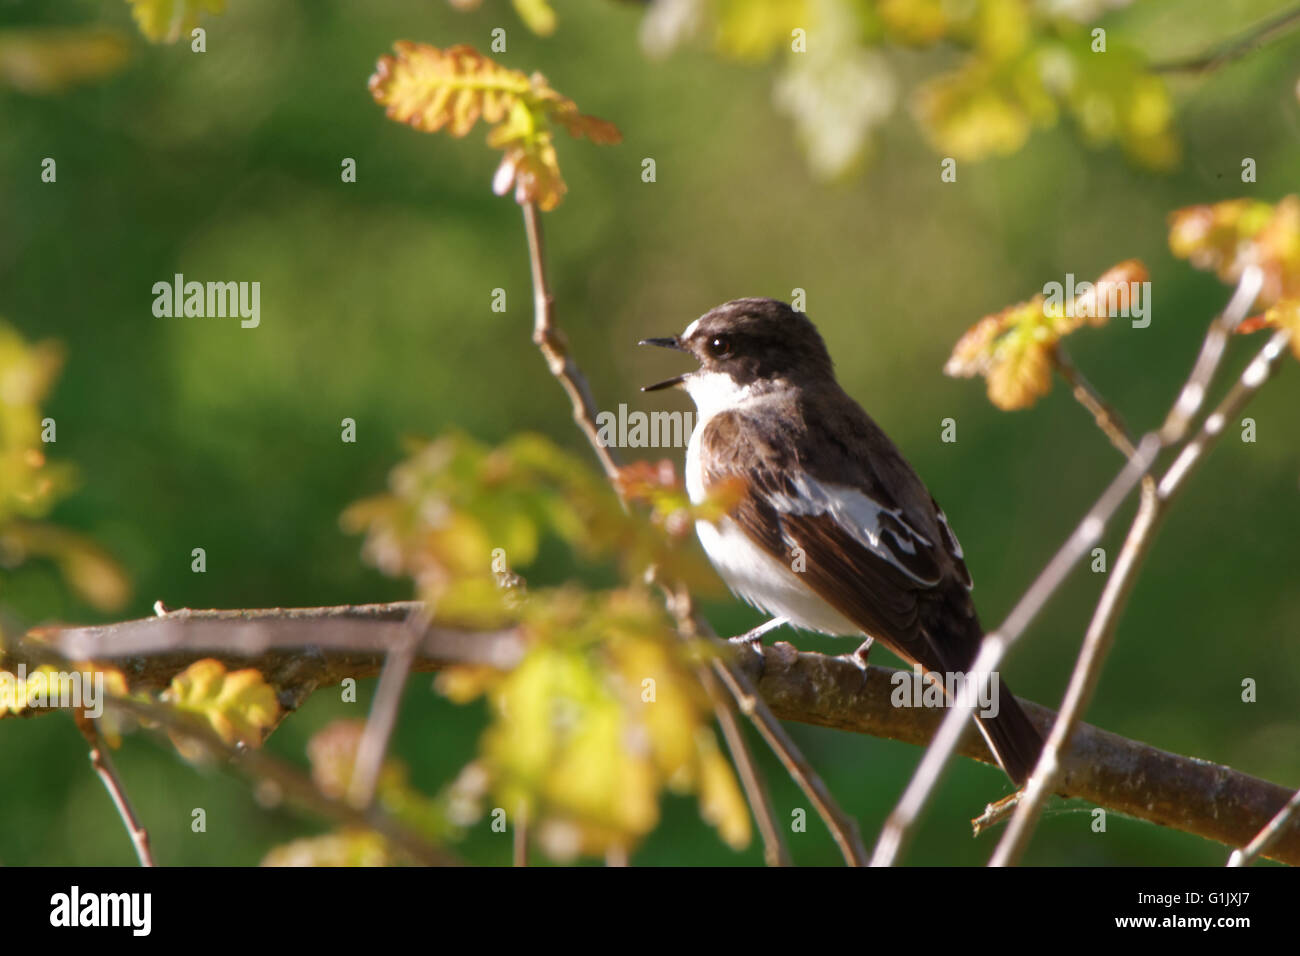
[239,705]
[163,21]
[50,60]
[537,16]
[345,848]
[1013,348]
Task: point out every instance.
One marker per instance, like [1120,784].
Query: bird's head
[744,343]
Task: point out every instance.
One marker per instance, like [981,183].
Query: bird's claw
[859,660]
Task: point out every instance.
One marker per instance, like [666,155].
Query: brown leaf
[432,89]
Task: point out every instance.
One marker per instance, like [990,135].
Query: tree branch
[1100,635]
[901,823]
[553,347]
[103,764]
[843,828]
[373,746]
[1233,49]
[1268,836]
[1099,767]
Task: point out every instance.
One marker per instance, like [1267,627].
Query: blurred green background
[376,305]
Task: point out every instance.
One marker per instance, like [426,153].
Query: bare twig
[1083,682]
[1101,629]
[995,813]
[1233,49]
[1268,836]
[103,764]
[285,780]
[1107,418]
[843,828]
[373,746]
[1215,344]
[902,820]
[556,350]
[775,852]
[344,641]
[551,342]
[280,778]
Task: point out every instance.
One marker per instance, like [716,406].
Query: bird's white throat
[714,392]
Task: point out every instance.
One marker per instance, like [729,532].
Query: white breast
[749,571]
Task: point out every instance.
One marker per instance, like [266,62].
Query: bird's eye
[720,346]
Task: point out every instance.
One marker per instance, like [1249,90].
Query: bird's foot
[754,636]
[753,639]
[859,660]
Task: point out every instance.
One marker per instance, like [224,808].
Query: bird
[829,529]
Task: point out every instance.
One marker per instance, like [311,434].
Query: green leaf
[163,21]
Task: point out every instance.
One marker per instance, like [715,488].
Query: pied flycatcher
[833,532]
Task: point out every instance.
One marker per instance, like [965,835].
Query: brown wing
[877,547]
[864,554]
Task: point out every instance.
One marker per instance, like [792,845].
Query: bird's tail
[1011,736]
[1008,731]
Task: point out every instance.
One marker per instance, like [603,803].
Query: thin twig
[373,747]
[995,813]
[259,766]
[902,820]
[285,780]
[1083,682]
[553,347]
[1107,418]
[1192,396]
[843,828]
[103,764]
[1100,635]
[555,350]
[775,851]
[1267,836]
[1233,49]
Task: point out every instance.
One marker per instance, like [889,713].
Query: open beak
[668,343]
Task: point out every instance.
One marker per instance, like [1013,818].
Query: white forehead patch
[690,329]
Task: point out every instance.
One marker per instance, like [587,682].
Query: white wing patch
[860,516]
[954,548]
[954,545]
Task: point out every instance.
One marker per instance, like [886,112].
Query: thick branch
[317,647]
[1099,767]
